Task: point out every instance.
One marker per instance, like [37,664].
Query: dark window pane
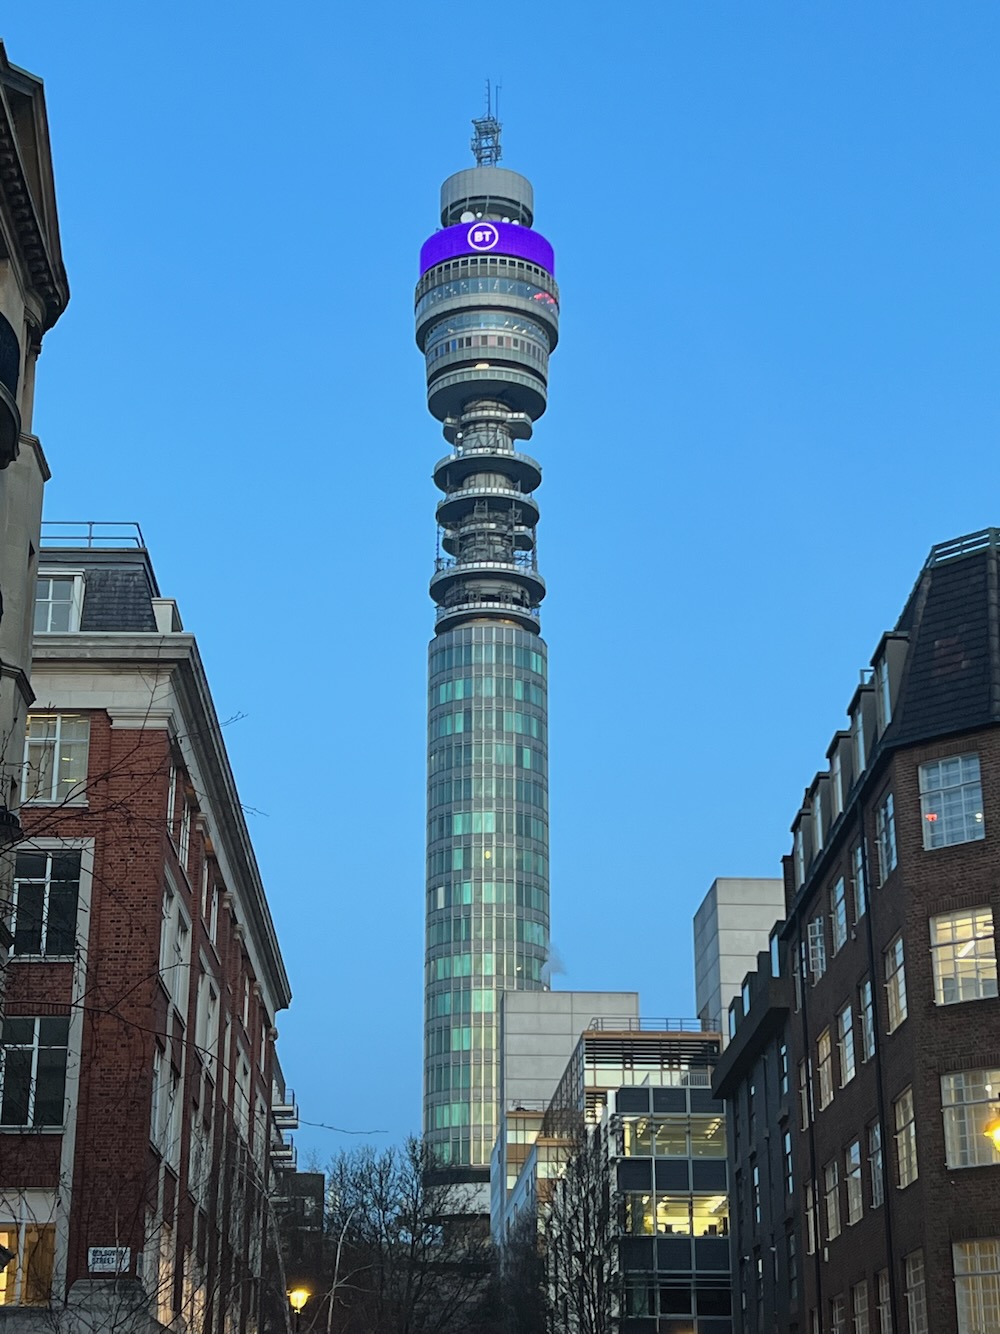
[16,1084]
[714,1301]
[53,1032]
[18,1031]
[30,865]
[51,1087]
[60,936]
[66,866]
[28,919]
[676,1300]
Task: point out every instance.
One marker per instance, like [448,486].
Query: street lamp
[297,1298]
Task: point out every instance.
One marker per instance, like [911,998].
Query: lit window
[33,1071]
[58,603]
[875,1165]
[845,1044]
[824,1068]
[859,1309]
[838,915]
[951,801]
[56,749]
[964,956]
[817,949]
[26,1280]
[977,1284]
[969,1102]
[906,1139]
[885,833]
[867,1010]
[895,984]
[916,1295]
[852,1176]
[46,890]
[831,1199]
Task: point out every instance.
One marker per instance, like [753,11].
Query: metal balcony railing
[91,533]
[624,1024]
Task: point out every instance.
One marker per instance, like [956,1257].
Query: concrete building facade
[731,926]
[33,295]
[141,1106]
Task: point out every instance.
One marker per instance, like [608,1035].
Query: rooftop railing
[964,546]
[92,533]
[624,1024]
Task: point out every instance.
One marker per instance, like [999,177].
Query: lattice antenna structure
[486,131]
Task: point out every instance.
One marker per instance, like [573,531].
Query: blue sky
[776,235]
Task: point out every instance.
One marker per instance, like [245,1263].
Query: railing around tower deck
[964,546]
[481,604]
[91,533]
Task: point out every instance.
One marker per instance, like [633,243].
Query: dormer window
[836,784]
[858,737]
[58,603]
[817,818]
[884,693]
[800,858]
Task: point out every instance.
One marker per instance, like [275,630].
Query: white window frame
[885,837]
[915,1288]
[75,601]
[869,1019]
[951,802]
[876,1165]
[858,882]
[964,955]
[846,1057]
[21,1210]
[35,1046]
[838,1314]
[836,784]
[884,691]
[859,1308]
[76,789]
[968,1103]
[854,1184]
[977,1283]
[905,1136]
[895,984]
[838,914]
[175,950]
[817,822]
[831,1199]
[48,852]
[824,1069]
[816,933]
[883,1308]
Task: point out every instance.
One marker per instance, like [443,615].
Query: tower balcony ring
[519,390]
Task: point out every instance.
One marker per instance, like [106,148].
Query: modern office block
[487,318]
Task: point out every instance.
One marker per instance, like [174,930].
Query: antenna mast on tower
[486,139]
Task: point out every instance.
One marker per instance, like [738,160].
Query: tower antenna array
[486,137]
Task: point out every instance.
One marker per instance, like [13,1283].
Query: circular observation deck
[486,608]
[486,378]
[454,469]
[459,505]
[450,578]
[487,192]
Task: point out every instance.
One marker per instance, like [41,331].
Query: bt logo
[483,236]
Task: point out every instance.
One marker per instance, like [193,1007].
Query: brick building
[141,1106]
[868,1043]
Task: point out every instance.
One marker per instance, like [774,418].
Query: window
[964,956]
[175,951]
[46,890]
[805,1094]
[817,821]
[845,1044]
[817,949]
[916,1295]
[783,1068]
[793,1266]
[838,1316]
[858,882]
[875,1165]
[755,1190]
[789,1175]
[836,784]
[852,1176]
[951,801]
[810,1211]
[774,950]
[895,984]
[885,834]
[831,1199]
[969,1103]
[859,1309]
[838,915]
[884,693]
[26,1280]
[58,603]
[55,757]
[977,1284]
[858,730]
[184,842]
[906,1139]
[800,858]
[33,1070]
[824,1068]
[884,1308]
[866,1005]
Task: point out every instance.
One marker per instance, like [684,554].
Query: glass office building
[487,318]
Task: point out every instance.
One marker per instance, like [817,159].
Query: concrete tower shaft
[487,318]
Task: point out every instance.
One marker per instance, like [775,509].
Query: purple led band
[487,238]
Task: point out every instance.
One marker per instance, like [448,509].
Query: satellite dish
[467,217]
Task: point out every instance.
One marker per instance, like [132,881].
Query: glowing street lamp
[992,1132]
[297,1298]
